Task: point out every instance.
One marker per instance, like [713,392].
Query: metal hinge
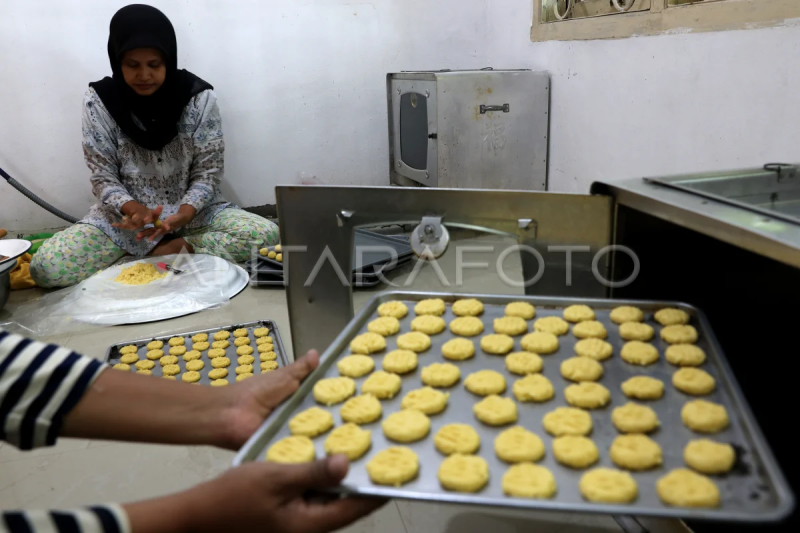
[783,170]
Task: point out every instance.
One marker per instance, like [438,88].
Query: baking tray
[112,354]
[755,491]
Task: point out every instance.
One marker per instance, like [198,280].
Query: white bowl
[12,248]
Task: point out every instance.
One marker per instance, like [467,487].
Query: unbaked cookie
[464,473]
[432,306]
[693,381]
[361,409]
[241,332]
[171,370]
[269,366]
[587,395]
[552,324]
[155,345]
[517,445]
[468,307]
[468,326]
[639,353]
[355,366]
[426,400]
[129,358]
[428,324]
[578,313]
[177,341]
[497,344]
[218,382]
[440,375]
[218,373]
[191,355]
[191,377]
[385,325]
[247,369]
[198,337]
[643,388]
[458,349]
[242,377]
[636,331]
[154,354]
[264,340]
[567,421]
[626,313]
[350,440]
[261,332]
[635,452]
[220,345]
[215,353]
[540,342]
[608,485]
[382,385]
[241,341]
[145,372]
[526,480]
[533,388]
[222,335]
[709,457]
[575,451]
[400,361]
[510,325]
[597,349]
[495,410]
[679,334]
[683,488]
[520,309]
[220,362]
[177,350]
[414,341]
[246,360]
[634,418]
[485,382]
[704,416]
[172,378]
[145,364]
[685,355]
[367,343]
[393,309]
[244,350]
[292,450]
[581,368]
[200,346]
[393,466]
[671,317]
[330,391]
[406,426]
[457,438]
[267,357]
[265,349]
[311,422]
[524,363]
[197,364]
[122,366]
[590,329]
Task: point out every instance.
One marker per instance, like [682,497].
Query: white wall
[301,85]
[659,105]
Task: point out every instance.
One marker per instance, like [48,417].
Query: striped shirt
[40,384]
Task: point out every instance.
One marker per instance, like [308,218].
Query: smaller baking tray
[112,354]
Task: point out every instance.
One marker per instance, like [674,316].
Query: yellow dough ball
[467,307]
[608,485]
[575,451]
[634,418]
[394,466]
[382,385]
[292,450]
[495,410]
[355,366]
[408,425]
[464,473]
[520,309]
[394,309]
[526,480]
[517,445]
[533,388]
[311,422]
[457,438]
[350,440]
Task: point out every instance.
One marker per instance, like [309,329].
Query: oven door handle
[505,108]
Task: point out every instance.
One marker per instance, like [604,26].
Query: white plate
[12,248]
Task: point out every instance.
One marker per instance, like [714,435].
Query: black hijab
[141,26]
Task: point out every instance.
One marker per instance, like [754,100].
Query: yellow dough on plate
[426,400]
[393,466]
[428,324]
[693,381]
[497,344]
[122,366]
[671,317]
[636,331]
[578,313]
[597,349]
[220,362]
[520,309]
[587,395]
[408,425]
[145,364]
[643,388]
[440,375]
[244,350]
[683,488]
[523,363]
[176,341]
[400,361]
[241,341]
[155,345]
[385,325]
[242,377]
[129,358]
[608,485]
[261,332]
[393,309]
[177,350]
[590,329]
[458,349]
[218,373]
[382,385]
[415,341]
[241,332]
[457,438]
[634,418]
[368,343]
[495,410]
[552,324]
[355,366]
[220,345]
[330,391]
[432,306]
[350,440]
[219,383]
[708,456]
[154,354]
[518,445]
[510,325]
[704,416]
[200,346]
[635,452]
[679,334]
[485,382]
[215,353]
[685,355]
[222,335]
[292,450]
[626,313]
[246,369]
[311,422]
[581,368]
[639,353]
[191,355]
[171,370]
[467,307]
[533,388]
[575,451]
[567,421]
[269,366]
[526,480]
[468,326]
[191,377]
[464,473]
[198,337]
[197,364]
[246,360]
[540,342]
[361,409]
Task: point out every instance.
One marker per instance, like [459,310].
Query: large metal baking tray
[754,491]
[112,354]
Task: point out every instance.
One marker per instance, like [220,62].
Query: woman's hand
[184,215]
[136,216]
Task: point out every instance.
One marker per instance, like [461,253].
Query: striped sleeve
[39,384]
[98,519]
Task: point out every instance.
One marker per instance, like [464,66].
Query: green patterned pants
[79,251]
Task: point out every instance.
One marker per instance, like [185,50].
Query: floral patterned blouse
[188,170]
